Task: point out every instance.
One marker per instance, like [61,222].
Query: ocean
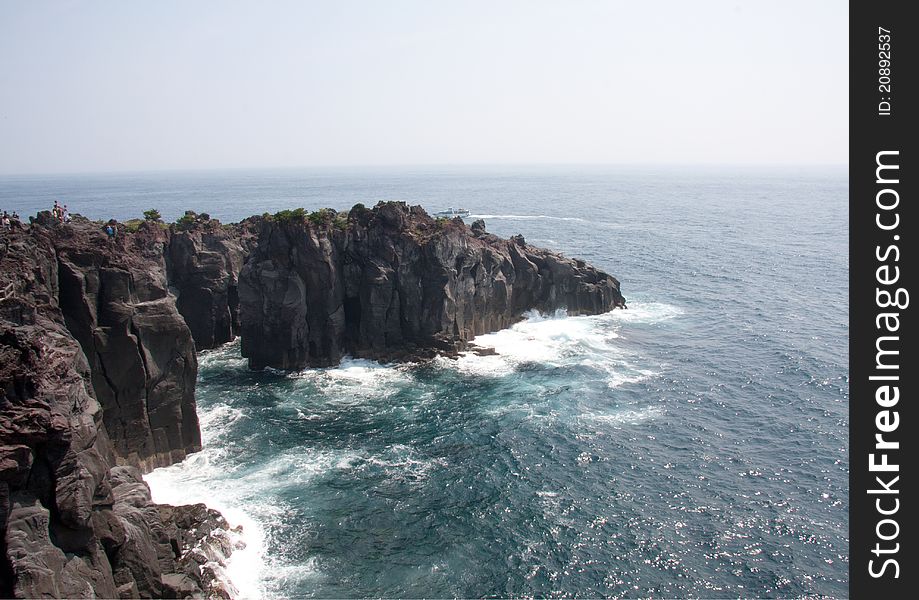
[695,444]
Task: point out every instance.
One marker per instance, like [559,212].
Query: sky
[104,86]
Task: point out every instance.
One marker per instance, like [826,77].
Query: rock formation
[392,283]
[98,369]
[115,302]
[98,366]
[203,262]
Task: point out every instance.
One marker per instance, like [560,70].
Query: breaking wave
[560,341]
[266,458]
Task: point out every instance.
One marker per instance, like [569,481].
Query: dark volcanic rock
[54,466]
[204,261]
[90,339]
[98,365]
[169,551]
[115,301]
[391,282]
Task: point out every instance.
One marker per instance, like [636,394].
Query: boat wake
[527,218]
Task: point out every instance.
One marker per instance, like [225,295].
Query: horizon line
[396,166]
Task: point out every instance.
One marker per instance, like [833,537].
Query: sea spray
[253,493]
[190,482]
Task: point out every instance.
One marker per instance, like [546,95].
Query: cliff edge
[98,341]
[392,283]
[97,375]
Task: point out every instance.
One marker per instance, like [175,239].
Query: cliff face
[98,365]
[114,299]
[97,369]
[393,283]
[203,264]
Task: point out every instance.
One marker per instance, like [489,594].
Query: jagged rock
[54,472]
[98,366]
[392,283]
[203,264]
[205,542]
[163,543]
[179,585]
[115,302]
[71,525]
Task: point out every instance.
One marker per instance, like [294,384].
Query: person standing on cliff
[5,226]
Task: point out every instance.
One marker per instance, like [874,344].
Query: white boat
[453,212]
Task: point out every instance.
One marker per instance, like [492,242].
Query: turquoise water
[693,445]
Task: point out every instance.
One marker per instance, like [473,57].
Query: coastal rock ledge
[97,376]
[98,365]
[392,283]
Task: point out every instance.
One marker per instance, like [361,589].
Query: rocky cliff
[115,302]
[392,282]
[98,370]
[98,365]
[203,261]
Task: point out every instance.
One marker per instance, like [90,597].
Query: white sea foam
[527,218]
[245,493]
[216,421]
[403,462]
[355,380]
[227,357]
[559,341]
[646,312]
[244,498]
[193,481]
[623,417]
[294,575]
[299,466]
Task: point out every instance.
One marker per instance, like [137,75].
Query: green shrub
[188,220]
[152,215]
[321,216]
[132,225]
[296,215]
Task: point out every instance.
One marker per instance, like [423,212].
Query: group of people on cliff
[8,221]
[60,212]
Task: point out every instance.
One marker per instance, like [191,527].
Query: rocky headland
[98,341]
[392,283]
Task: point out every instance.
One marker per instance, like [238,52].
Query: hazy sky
[108,86]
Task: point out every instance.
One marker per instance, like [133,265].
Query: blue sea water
[695,444]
